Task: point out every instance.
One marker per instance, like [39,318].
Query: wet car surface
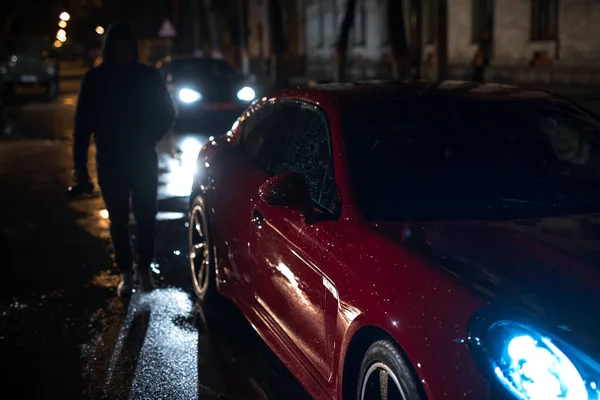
[63,331]
[383,253]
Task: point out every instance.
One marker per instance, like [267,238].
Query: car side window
[266,132]
[256,129]
[305,147]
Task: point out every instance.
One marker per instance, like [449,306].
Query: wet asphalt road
[63,331]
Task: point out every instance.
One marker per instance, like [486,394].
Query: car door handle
[257,217]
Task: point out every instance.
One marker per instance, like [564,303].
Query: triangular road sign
[167,29]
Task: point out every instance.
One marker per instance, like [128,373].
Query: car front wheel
[386,374]
[201,252]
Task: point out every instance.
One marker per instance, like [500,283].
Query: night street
[289,200]
[63,331]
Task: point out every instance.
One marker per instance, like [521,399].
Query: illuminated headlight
[246,94]
[189,95]
[533,366]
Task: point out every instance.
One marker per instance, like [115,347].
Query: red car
[410,241]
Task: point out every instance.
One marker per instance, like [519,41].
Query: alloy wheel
[381,383]
[199,252]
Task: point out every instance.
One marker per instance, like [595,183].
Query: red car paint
[309,290]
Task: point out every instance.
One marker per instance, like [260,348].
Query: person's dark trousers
[118,186]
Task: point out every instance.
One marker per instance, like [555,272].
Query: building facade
[525,41]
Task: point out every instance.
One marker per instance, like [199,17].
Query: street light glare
[62,24]
[64,16]
[61,32]
[99,30]
[57,43]
[62,38]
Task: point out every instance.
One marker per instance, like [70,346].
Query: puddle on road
[160,347]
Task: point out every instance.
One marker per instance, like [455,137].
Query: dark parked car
[29,61]
[209,93]
[410,241]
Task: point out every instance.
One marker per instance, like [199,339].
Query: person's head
[120,45]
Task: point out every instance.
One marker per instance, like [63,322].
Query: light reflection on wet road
[62,329]
[63,332]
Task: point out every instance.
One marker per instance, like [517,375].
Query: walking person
[128,109]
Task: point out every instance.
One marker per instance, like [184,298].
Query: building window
[482,27]
[360,24]
[544,20]
[431,22]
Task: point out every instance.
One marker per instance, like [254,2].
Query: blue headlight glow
[533,366]
[246,94]
[189,95]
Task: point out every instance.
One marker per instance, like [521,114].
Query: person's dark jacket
[128,109]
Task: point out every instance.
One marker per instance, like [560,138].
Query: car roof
[382,91]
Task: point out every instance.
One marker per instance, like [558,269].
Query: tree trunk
[442,39]
[417,52]
[243,39]
[204,31]
[279,72]
[195,11]
[397,34]
[342,42]
[8,24]
[213,30]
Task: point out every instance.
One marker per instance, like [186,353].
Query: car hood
[549,268]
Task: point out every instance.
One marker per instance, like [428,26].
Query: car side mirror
[287,190]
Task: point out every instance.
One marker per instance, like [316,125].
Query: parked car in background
[29,61]
[209,93]
[410,240]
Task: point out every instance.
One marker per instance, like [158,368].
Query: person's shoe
[144,280]
[126,285]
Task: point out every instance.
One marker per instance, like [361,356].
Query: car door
[238,175]
[290,255]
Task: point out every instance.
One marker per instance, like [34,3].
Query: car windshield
[442,159]
[202,69]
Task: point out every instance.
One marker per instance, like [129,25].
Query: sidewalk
[72,72]
[72,69]
[579,92]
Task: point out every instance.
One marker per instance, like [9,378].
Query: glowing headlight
[531,366]
[246,94]
[189,95]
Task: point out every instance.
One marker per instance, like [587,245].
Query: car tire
[201,253]
[384,362]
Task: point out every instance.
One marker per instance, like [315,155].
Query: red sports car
[410,240]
